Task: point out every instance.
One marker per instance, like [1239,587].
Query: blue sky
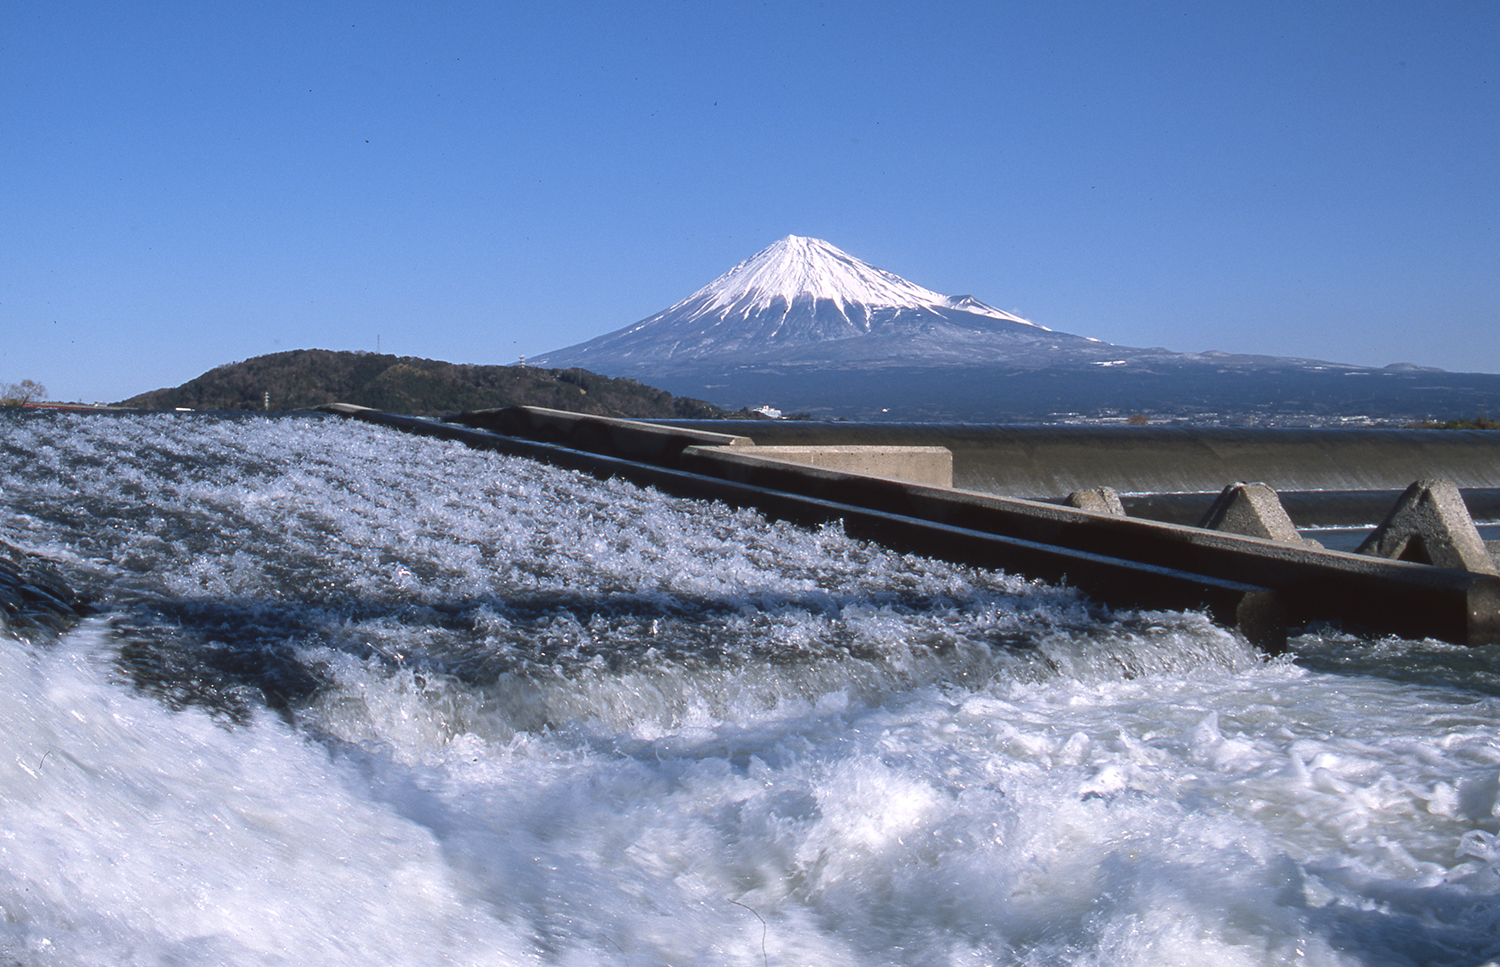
[192,184]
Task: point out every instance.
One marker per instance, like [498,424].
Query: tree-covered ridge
[408,384]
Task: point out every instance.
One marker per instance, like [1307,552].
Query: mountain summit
[795,275]
[803,301]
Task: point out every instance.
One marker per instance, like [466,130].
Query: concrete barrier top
[634,439]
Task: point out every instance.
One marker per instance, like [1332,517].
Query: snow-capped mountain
[804,326]
[805,301]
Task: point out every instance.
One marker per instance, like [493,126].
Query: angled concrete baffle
[1101,500]
[1254,510]
[1431,525]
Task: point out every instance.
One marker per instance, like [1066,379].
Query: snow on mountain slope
[797,268]
[805,300]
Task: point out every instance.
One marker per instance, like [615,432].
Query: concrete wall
[930,466]
[655,441]
[1053,461]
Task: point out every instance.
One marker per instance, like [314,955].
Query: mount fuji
[802,325]
[802,302]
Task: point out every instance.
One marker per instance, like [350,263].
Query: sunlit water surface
[354,697]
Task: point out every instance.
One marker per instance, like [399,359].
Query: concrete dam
[1341,477]
[1151,518]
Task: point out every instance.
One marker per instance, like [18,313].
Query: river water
[354,697]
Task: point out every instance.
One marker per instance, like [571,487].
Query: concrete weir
[1256,584]
[1326,477]
[1045,461]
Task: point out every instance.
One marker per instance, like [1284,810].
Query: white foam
[700,738]
[135,835]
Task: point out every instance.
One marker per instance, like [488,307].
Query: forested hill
[406,384]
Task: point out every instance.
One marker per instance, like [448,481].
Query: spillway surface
[355,697]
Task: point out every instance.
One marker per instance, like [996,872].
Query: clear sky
[190,184]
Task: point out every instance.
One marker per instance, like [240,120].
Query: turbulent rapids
[340,695]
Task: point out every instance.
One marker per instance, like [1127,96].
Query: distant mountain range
[405,384]
[802,325]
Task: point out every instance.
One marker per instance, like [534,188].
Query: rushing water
[354,697]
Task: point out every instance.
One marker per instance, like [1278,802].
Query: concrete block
[1100,500]
[928,466]
[1431,525]
[1252,510]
